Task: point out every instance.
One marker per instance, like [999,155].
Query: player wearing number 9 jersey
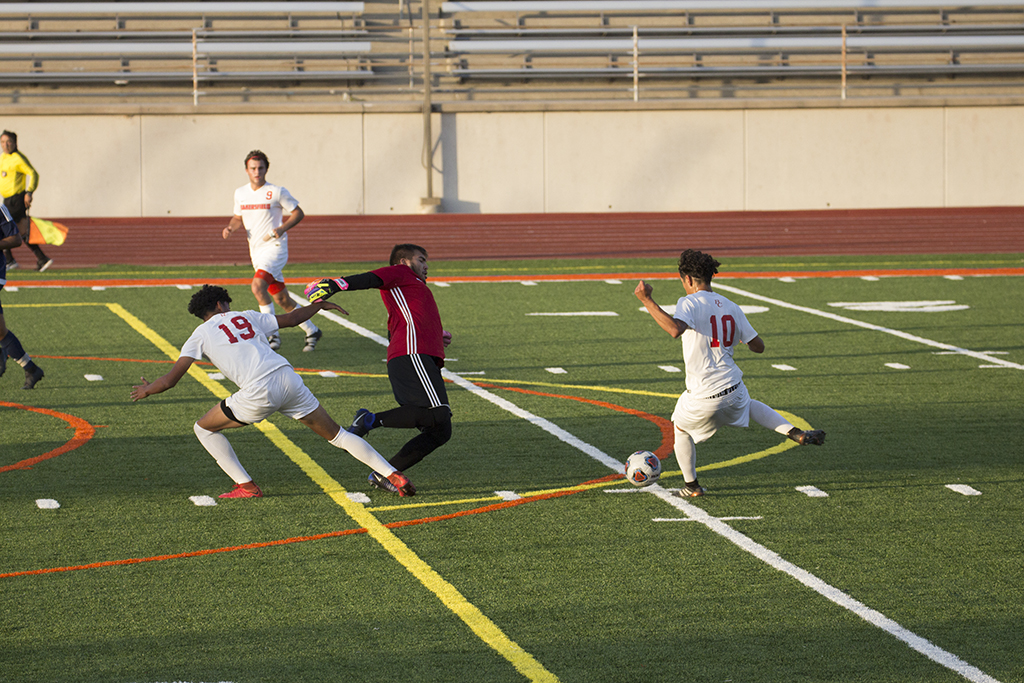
[711,326]
[236,343]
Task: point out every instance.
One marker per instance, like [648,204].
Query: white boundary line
[916,642]
[877,328]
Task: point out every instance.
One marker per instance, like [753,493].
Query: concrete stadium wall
[151,165]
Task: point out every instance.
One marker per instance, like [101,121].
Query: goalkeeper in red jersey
[415,355]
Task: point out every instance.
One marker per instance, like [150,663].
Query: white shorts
[701,417]
[270,258]
[282,391]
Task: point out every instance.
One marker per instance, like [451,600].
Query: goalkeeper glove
[324,288]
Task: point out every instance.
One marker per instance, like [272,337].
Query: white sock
[363,452]
[766,417]
[220,448]
[308,327]
[686,454]
[267,308]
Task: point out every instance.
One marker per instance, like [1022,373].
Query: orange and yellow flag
[46,232]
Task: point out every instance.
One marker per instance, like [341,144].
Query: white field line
[925,647]
[916,642]
[877,328]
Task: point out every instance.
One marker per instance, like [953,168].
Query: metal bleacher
[694,48]
[493,53]
[197,43]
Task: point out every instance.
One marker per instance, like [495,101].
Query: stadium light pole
[430,203]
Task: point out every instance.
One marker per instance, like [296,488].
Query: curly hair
[698,265]
[256,154]
[401,251]
[206,299]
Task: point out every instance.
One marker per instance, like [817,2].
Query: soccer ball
[643,468]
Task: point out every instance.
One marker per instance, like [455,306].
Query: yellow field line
[478,622]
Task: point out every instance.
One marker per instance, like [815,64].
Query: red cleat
[246,490]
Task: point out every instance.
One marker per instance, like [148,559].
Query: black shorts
[16,205]
[416,381]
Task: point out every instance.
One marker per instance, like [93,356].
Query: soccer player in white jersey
[259,208]
[236,343]
[715,395]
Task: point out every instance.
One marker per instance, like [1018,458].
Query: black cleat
[691,491]
[31,377]
[362,423]
[812,437]
[311,340]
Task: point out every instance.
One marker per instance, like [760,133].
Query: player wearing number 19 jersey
[236,343]
[711,326]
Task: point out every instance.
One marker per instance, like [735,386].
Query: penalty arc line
[831,593]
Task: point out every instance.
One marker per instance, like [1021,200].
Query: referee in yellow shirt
[18,180]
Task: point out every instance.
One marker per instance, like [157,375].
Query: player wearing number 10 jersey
[711,326]
[236,343]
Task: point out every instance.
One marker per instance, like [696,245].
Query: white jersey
[236,342]
[715,325]
[262,211]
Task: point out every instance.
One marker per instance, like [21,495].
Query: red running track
[318,239]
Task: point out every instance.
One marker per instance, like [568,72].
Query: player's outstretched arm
[673,326]
[327,287]
[301,314]
[166,382]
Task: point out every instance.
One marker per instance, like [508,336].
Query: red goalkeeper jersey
[414,324]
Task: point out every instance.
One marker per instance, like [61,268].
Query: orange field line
[664,425]
[83,432]
[667,435]
[663,275]
[302,539]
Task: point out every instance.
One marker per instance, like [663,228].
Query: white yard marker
[614,282]
[964,489]
[10,289]
[183,286]
[557,371]
[953,277]
[441,284]
[474,372]
[870,326]
[783,366]
[47,504]
[357,497]
[787,279]
[669,368]
[871,278]
[812,491]
[528,283]
[328,373]
[897,366]
[94,378]
[216,375]
[99,289]
[687,519]
[203,501]
[601,314]
[507,495]
[902,306]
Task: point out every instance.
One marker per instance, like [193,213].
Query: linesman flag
[46,232]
